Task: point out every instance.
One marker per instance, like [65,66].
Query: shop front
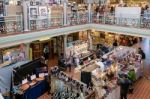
[38,48]
[107,70]
[108,39]
[14,54]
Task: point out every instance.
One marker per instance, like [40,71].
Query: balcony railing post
[104,19]
[140,21]
[89,12]
[47,21]
[65,12]
[21,23]
[78,18]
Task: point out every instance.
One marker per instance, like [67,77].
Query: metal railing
[11,24]
[76,19]
[143,21]
[14,24]
[45,22]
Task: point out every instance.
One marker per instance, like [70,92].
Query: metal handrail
[16,21]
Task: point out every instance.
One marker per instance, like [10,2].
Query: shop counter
[34,91]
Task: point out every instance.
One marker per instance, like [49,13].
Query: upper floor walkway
[12,27]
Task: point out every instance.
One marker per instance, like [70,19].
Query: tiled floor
[141,87]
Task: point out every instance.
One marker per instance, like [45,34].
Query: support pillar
[65,45]
[25,16]
[65,12]
[27,51]
[89,13]
[90,40]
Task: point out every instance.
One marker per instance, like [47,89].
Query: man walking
[124,83]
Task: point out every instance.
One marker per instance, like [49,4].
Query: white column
[25,16]
[65,12]
[27,51]
[65,45]
[89,12]
[90,40]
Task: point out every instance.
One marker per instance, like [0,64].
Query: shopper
[141,52]
[124,83]
[132,77]
[46,53]
[115,44]
[69,63]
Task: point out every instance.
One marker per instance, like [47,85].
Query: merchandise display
[120,52]
[103,76]
[29,78]
[80,53]
[61,83]
[102,49]
[61,49]
[12,55]
[106,70]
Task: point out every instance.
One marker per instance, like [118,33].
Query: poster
[43,12]
[33,12]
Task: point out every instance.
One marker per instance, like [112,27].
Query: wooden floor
[141,87]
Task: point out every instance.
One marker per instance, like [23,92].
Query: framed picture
[33,12]
[43,12]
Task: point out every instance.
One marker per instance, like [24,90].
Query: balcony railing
[76,19]
[44,22]
[11,24]
[14,24]
[138,22]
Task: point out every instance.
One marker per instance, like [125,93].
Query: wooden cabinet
[38,47]
[37,50]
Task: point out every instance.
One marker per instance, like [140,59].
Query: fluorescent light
[43,39]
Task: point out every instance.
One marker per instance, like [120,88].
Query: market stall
[30,80]
[80,53]
[64,86]
[105,71]
[13,55]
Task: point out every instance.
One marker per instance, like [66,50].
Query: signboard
[127,15]
[127,12]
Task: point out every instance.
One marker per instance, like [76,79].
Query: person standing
[124,83]
[46,53]
[132,77]
[141,52]
[115,44]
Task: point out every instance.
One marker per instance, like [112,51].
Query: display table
[35,91]
[30,80]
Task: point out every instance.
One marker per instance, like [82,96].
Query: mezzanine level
[12,31]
